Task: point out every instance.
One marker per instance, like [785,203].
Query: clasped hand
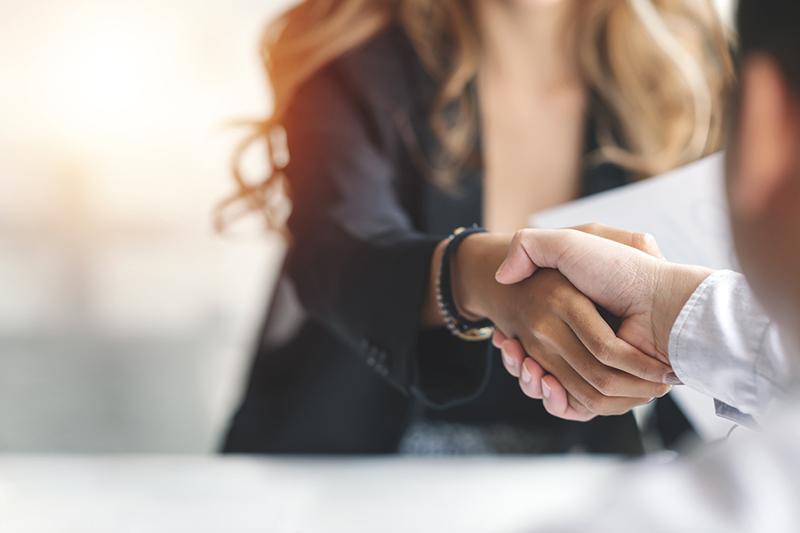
[560,347]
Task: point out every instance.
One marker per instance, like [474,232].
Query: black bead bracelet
[458,325]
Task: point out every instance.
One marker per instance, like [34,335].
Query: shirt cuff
[715,343]
[723,410]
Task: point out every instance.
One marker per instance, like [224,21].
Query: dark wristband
[458,324]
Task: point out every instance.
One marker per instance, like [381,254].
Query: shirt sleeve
[357,259]
[724,345]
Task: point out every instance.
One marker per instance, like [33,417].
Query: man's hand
[645,291]
[641,241]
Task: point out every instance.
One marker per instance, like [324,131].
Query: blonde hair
[661,70]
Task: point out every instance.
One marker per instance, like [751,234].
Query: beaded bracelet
[458,325]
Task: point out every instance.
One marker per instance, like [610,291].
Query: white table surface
[173,494]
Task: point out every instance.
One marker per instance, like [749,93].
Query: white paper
[685,210]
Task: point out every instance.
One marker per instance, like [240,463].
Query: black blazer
[342,366]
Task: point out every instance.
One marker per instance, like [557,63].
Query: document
[685,210]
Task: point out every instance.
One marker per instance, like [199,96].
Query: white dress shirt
[723,345]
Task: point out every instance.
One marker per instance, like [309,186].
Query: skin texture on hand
[554,320]
[536,383]
[571,340]
[647,292]
[623,280]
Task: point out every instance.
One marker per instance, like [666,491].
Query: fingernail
[500,270]
[526,376]
[545,390]
[509,361]
[672,379]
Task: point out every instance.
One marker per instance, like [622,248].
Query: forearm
[475,290]
[447,370]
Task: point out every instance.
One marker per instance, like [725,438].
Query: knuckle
[531,345]
[646,371]
[572,314]
[542,332]
[603,383]
[519,235]
[592,227]
[542,364]
[638,240]
[651,370]
[565,302]
[532,365]
[653,390]
[531,355]
[552,300]
[564,290]
[602,349]
[582,413]
[602,405]
[508,355]
[592,403]
[643,241]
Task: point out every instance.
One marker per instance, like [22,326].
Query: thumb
[517,264]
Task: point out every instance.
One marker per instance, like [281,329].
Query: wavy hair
[660,69]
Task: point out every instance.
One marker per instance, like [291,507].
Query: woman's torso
[307,393]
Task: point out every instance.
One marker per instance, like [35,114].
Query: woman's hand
[535,382]
[561,330]
[564,331]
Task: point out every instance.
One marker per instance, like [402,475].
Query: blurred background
[126,323]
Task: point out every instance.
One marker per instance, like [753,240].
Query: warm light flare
[107,73]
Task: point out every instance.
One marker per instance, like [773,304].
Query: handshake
[550,328]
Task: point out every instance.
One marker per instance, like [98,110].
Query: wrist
[473,268]
[676,285]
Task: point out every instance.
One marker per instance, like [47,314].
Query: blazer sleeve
[357,262]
